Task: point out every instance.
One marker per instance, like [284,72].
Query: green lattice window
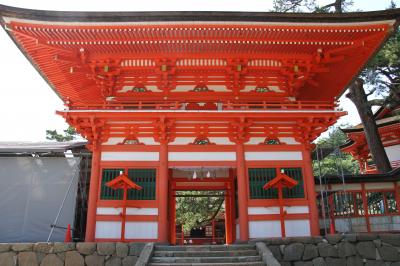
[146,178]
[258,177]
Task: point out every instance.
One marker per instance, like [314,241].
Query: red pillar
[311,196]
[163,194]
[93,195]
[365,206]
[228,217]
[172,221]
[242,192]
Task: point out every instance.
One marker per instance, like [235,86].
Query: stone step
[205,259]
[223,253]
[256,263]
[205,247]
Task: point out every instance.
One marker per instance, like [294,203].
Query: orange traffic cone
[68,237]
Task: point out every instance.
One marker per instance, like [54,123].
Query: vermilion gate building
[156,94]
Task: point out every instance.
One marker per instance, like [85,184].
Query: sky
[28,104]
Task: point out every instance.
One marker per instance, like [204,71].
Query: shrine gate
[241,94]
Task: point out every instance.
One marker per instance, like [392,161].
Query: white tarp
[31,194]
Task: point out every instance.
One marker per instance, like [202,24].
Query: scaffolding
[347,203]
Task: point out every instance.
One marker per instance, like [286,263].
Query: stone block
[74,258]
[366,236]
[293,252]
[94,260]
[319,262]
[389,253]
[135,249]
[346,249]
[317,239]
[129,261]
[335,261]
[392,239]
[350,237]
[105,248]
[27,258]
[5,247]
[18,247]
[43,247]
[276,251]
[333,252]
[334,239]
[377,243]
[122,250]
[374,263]
[366,250]
[354,261]
[8,259]
[52,260]
[86,248]
[323,249]
[310,252]
[114,261]
[63,247]
[40,256]
[303,239]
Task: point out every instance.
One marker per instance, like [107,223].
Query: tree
[197,210]
[382,73]
[358,96]
[310,6]
[336,161]
[69,134]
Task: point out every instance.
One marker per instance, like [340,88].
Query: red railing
[220,106]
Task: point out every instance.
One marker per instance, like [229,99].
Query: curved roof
[90,57]
[124,16]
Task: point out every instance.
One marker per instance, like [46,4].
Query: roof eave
[83,16]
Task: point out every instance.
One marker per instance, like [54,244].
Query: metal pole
[62,205]
[321,191]
[344,190]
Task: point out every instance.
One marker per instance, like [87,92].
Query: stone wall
[70,254]
[349,249]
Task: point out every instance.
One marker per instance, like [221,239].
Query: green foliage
[336,161]
[69,134]
[383,72]
[197,211]
[337,6]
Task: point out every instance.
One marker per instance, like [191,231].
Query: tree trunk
[357,95]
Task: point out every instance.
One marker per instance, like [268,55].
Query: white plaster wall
[289,141]
[182,141]
[384,223]
[237,232]
[263,210]
[106,229]
[385,185]
[201,156]
[274,156]
[393,152]
[297,228]
[344,225]
[113,141]
[339,187]
[258,229]
[148,141]
[221,141]
[129,156]
[141,230]
[255,141]
[296,209]
[129,211]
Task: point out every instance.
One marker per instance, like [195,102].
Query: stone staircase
[206,255]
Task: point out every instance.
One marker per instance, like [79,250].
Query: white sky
[28,104]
